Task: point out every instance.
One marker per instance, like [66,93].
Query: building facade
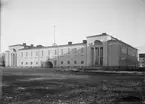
[96,50]
[142,60]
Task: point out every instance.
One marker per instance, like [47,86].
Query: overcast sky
[31,21]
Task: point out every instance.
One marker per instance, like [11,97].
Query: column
[16,59]
[11,59]
[94,56]
[98,55]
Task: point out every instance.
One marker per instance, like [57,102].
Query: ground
[51,86]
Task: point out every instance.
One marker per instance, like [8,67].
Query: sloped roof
[52,46]
[103,34]
[16,45]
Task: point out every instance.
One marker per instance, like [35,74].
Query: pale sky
[31,21]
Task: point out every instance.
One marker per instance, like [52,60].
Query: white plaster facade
[92,52]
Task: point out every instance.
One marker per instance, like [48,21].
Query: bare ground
[48,86]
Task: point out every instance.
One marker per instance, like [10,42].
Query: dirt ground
[50,86]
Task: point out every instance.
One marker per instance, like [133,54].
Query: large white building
[97,50]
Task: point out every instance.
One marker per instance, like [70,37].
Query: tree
[2,60]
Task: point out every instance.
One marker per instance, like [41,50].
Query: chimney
[104,34]
[32,45]
[24,44]
[39,46]
[69,43]
[84,41]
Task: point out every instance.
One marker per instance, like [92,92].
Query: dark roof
[52,46]
[16,45]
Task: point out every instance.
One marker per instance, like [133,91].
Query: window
[55,52]
[61,51]
[31,53]
[36,63]
[22,54]
[26,63]
[26,53]
[82,49]
[42,52]
[55,62]
[61,62]
[68,62]
[36,53]
[75,62]
[21,63]
[48,52]
[82,62]
[31,63]
[68,51]
[75,50]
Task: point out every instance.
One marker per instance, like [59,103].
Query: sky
[32,21]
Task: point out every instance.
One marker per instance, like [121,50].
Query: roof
[124,43]
[16,45]
[103,34]
[52,46]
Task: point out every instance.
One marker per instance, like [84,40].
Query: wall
[113,53]
[90,43]
[44,55]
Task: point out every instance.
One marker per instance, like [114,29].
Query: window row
[75,62]
[30,63]
[62,62]
[74,50]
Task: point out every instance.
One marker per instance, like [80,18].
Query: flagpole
[54,34]
[0,32]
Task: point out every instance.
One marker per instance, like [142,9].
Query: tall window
[31,53]
[61,51]
[82,49]
[42,52]
[55,52]
[48,52]
[55,62]
[75,62]
[68,62]
[68,50]
[26,53]
[36,53]
[61,62]
[75,50]
[22,54]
